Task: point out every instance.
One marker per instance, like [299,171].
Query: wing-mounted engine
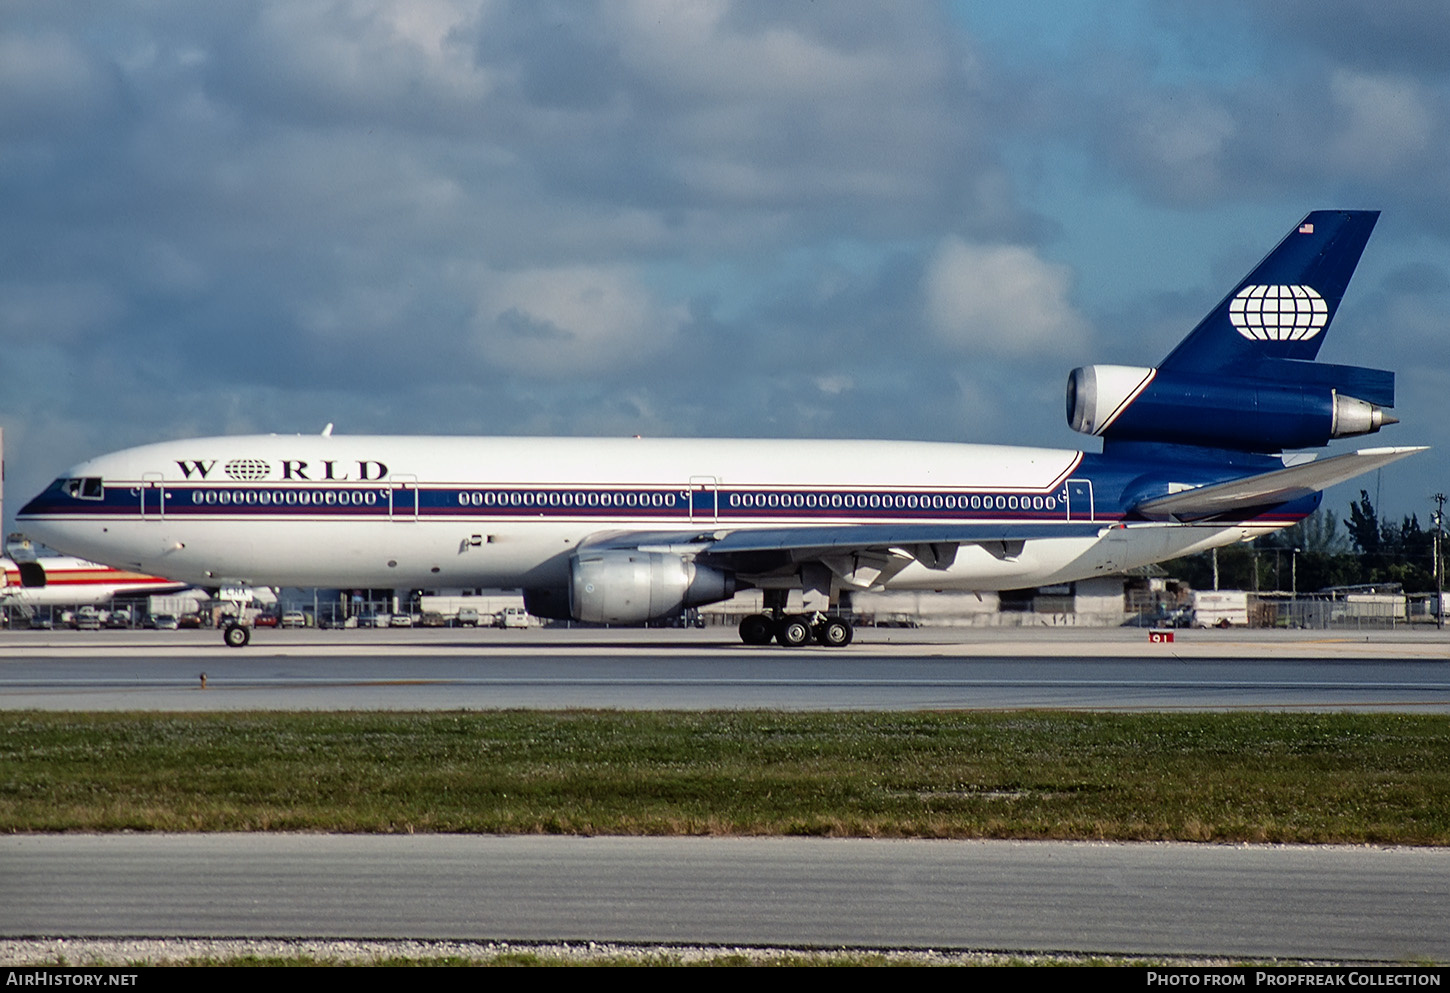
[1277,405]
[623,586]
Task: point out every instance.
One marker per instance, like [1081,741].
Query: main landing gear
[236,635]
[796,630]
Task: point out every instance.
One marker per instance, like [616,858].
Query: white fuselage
[431,512]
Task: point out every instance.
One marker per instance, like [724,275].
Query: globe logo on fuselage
[246,469]
[1278,313]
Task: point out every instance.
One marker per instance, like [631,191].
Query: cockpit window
[86,488]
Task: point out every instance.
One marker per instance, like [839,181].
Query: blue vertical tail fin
[1282,309]
[1245,378]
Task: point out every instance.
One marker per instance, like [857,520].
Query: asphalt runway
[710,669]
[1345,904]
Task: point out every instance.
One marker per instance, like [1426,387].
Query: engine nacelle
[1097,394]
[1130,403]
[631,587]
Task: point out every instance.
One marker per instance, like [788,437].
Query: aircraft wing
[725,540]
[863,556]
[1266,489]
[850,537]
[935,545]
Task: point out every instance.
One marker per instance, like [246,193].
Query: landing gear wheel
[237,636]
[793,632]
[757,629]
[833,632]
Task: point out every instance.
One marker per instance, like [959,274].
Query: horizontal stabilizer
[1267,489]
[1371,385]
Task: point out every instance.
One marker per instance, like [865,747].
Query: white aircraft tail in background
[61,581]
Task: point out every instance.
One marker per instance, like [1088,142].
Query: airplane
[1197,452]
[62,581]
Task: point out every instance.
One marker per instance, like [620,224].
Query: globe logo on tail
[1278,313]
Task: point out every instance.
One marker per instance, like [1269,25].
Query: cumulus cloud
[71,312]
[1385,122]
[571,321]
[1184,136]
[834,384]
[406,63]
[1308,102]
[414,212]
[552,215]
[49,85]
[848,117]
[1400,35]
[1000,300]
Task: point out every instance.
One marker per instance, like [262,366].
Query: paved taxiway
[903,670]
[1189,900]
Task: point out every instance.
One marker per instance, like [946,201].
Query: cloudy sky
[712,218]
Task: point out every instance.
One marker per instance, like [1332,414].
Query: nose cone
[43,517]
[51,500]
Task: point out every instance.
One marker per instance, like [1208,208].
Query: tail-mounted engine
[1283,404]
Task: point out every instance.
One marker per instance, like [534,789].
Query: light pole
[1439,499]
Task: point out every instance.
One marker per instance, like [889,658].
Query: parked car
[513,617]
[294,619]
[165,622]
[1178,617]
[265,621]
[400,621]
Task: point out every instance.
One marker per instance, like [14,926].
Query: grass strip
[1355,778]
